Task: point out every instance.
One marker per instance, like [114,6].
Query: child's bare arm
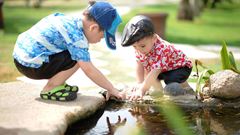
[139,72]
[97,77]
[149,80]
[145,86]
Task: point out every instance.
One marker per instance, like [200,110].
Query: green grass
[19,19]
[211,27]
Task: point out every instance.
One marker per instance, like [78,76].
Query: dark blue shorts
[179,75]
[57,63]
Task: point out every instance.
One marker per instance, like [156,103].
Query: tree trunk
[197,7]
[27,3]
[38,4]
[185,11]
[214,2]
[1,16]
[34,3]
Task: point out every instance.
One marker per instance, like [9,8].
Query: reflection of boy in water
[113,126]
[150,120]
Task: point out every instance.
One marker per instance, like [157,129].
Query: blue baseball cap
[108,18]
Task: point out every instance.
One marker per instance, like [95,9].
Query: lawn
[211,27]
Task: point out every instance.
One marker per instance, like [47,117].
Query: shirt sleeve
[79,54]
[77,44]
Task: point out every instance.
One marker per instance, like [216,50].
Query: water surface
[120,119]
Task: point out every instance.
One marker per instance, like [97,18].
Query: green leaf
[225,57]
[232,60]
[203,75]
[205,78]
[235,70]
[175,118]
[198,62]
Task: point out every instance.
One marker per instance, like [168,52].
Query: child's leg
[157,86]
[185,85]
[60,78]
[59,68]
[176,80]
[156,89]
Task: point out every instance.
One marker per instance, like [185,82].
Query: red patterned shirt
[163,56]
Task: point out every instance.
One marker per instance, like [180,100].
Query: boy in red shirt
[156,58]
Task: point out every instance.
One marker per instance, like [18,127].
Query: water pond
[120,119]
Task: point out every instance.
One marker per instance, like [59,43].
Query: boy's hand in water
[116,93]
[137,93]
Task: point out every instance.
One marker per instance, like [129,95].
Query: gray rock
[23,112]
[206,91]
[225,84]
[173,89]
[186,101]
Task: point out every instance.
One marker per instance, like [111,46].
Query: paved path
[24,113]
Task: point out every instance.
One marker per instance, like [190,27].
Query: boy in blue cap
[57,46]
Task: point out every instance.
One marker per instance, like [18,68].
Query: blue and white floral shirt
[53,34]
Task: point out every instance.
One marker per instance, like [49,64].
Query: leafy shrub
[227,61]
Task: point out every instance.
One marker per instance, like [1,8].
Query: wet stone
[173,89]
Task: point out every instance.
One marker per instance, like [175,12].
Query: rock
[173,89]
[206,91]
[186,100]
[23,112]
[225,84]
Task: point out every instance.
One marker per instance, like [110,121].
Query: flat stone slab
[187,101]
[190,101]
[23,112]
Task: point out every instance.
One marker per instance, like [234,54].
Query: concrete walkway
[24,113]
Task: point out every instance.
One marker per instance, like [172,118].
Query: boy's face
[145,45]
[95,34]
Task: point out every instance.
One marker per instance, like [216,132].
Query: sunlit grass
[211,27]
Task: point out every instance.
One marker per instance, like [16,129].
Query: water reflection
[217,122]
[112,127]
[149,119]
[125,118]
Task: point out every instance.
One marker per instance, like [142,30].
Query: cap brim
[109,34]
[110,40]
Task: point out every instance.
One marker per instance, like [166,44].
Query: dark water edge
[120,118]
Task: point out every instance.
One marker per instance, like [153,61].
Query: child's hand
[136,87]
[114,92]
[136,93]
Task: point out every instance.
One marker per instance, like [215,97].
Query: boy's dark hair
[88,15]
[137,28]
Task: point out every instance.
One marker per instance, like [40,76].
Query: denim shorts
[57,63]
[179,75]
